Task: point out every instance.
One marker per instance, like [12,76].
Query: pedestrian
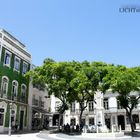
[13,125]
[16,125]
[77,128]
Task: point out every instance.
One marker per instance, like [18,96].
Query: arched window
[4,87]
[14,90]
[23,92]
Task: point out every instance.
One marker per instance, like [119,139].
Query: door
[121,122]
[21,120]
[1,119]
[107,122]
[55,119]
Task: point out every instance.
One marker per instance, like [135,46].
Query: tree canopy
[79,81]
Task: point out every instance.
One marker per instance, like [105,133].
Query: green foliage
[75,81]
[12,75]
[69,81]
[124,81]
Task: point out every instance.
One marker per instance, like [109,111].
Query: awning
[43,111]
[39,110]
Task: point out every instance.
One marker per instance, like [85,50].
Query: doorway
[21,120]
[107,122]
[121,122]
[55,119]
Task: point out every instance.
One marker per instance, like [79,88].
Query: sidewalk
[21,132]
[133,134]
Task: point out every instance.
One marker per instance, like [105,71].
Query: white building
[38,107]
[116,115]
[106,111]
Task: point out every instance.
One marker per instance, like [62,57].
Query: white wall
[112,102]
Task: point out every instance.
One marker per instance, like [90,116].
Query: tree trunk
[80,117]
[80,120]
[129,114]
[59,123]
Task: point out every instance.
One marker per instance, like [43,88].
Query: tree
[56,77]
[85,85]
[124,82]
[82,91]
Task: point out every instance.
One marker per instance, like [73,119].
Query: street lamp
[9,132]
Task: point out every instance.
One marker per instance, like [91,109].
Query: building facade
[115,115]
[38,107]
[106,110]
[15,61]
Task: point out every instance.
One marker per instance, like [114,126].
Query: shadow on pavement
[133,134]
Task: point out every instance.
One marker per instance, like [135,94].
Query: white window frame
[57,105]
[91,106]
[3,86]
[73,107]
[23,85]
[16,58]
[15,90]
[106,104]
[7,52]
[24,63]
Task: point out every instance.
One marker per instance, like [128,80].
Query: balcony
[85,112]
[113,110]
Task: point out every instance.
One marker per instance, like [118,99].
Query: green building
[15,61]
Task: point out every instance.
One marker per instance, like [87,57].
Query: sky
[66,30]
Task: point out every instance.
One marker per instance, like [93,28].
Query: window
[135,118]
[73,107]
[14,90]
[7,58]
[23,93]
[106,104]
[91,106]
[73,121]
[25,68]
[91,121]
[4,87]
[17,64]
[1,116]
[57,104]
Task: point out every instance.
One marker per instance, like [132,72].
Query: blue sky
[66,30]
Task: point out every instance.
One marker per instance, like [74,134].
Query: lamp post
[9,132]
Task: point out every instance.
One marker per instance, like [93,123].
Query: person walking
[16,126]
